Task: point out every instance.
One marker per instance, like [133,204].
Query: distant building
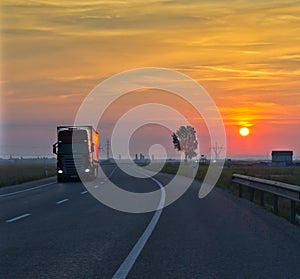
[282,158]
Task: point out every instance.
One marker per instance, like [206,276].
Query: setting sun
[244,131]
[253,77]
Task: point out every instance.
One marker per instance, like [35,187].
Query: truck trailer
[77,153]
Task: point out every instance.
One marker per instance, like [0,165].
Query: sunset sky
[246,54]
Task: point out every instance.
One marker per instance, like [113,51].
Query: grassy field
[18,171]
[289,175]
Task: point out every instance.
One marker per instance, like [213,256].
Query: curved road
[58,230]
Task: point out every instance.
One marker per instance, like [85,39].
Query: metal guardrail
[278,189]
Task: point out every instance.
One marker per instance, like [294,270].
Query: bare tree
[185,140]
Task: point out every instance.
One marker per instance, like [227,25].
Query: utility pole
[100,147]
[107,148]
[217,150]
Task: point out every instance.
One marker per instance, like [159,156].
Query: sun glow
[244,131]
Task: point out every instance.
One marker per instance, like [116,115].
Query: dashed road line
[62,201]
[18,218]
[26,190]
[84,192]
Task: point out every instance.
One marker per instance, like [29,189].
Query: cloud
[29,89]
[252,113]
[245,53]
[238,71]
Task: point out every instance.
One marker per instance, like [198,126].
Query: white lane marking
[96,186]
[128,263]
[84,192]
[109,176]
[18,218]
[62,201]
[112,172]
[26,190]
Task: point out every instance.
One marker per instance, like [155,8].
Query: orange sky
[245,54]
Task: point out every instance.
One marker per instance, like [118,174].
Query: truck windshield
[66,148]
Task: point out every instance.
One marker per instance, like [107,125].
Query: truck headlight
[60,171]
[87,170]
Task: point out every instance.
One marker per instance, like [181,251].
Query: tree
[185,140]
[176,142]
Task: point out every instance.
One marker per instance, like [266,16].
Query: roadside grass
[19,171]
[290,175]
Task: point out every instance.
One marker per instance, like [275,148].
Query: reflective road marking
[62,201]
[18,218]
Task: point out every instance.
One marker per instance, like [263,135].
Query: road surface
[59,230]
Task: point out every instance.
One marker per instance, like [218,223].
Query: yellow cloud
[245,53]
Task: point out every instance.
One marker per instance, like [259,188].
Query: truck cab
[77,153]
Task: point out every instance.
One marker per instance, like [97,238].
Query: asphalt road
[59,230]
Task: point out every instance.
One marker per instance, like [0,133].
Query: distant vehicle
[77,153]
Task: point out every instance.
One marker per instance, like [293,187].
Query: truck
[77,153]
